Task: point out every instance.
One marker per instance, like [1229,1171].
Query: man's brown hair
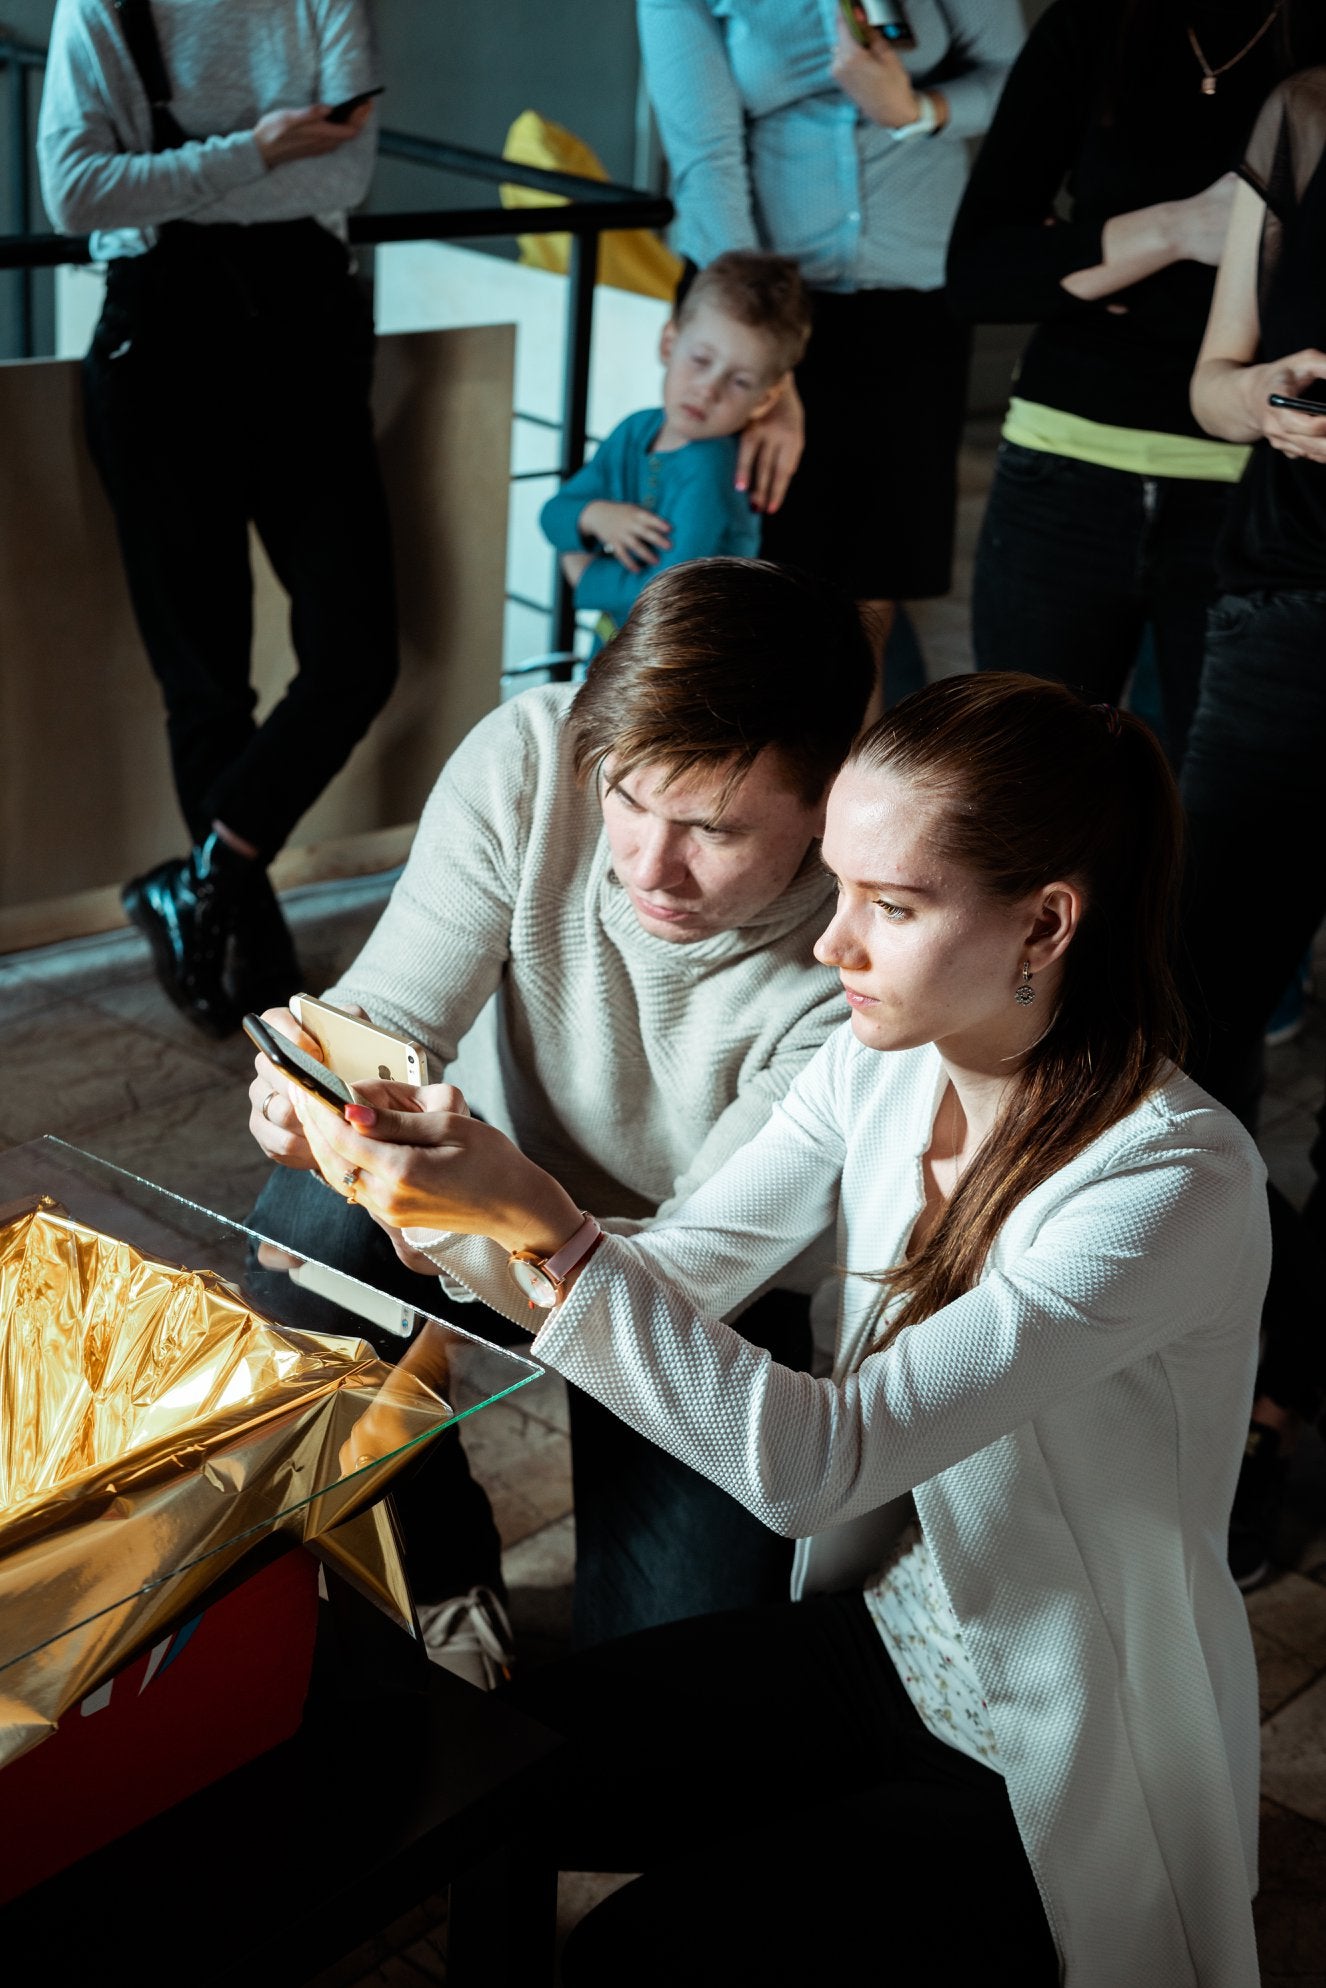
[719,661]
[763,291]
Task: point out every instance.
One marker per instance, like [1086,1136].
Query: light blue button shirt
[766,151]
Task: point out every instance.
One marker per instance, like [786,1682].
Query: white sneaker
[470,1635]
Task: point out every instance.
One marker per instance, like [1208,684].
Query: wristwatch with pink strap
[542,1279]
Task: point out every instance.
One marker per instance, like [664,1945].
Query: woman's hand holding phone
[419,1161]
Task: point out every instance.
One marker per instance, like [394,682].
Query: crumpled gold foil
[152,1428]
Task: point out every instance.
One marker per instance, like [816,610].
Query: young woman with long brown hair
[1013,1735]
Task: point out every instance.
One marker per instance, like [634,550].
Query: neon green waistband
[1141,451]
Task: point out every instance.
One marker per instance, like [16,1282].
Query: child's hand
[631,534]
[574,564]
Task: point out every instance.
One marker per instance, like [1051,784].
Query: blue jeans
[1256,893]
[1074,562]
[655,1541]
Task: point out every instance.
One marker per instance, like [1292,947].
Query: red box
[225,1686]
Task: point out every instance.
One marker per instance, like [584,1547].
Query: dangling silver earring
[1026,993]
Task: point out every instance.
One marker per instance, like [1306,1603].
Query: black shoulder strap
[140,38]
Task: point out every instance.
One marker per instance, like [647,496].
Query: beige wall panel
[85,792]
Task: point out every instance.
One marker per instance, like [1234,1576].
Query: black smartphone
[340,113]
[1300,406]
[297,1064]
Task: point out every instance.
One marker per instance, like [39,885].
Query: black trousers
[1074,561]
[795,1821]
[1252,784]
[227,384]
[654,1540]
[873,504]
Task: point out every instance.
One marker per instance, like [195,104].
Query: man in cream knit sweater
[603,934]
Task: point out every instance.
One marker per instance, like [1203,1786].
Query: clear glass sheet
[268,1468]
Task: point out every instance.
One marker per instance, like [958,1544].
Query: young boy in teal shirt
[662,487]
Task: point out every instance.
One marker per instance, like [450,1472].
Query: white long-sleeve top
[1070,1430]
[229,62]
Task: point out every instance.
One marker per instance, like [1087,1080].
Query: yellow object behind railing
[629,258]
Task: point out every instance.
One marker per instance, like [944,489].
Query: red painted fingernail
[361,1114]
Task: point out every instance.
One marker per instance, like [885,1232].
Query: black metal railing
[593,208]
[19,62]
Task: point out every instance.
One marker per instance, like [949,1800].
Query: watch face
[533,1281]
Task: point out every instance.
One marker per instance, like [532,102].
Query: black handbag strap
[141,40]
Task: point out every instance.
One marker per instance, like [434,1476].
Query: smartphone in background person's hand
[888,18]
[341,113]
[1310,404]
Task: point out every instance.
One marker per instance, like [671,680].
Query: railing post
[19,198]
[575,400]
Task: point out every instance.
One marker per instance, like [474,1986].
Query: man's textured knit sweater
[628,1065]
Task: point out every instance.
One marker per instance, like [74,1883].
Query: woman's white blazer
[1071,1430]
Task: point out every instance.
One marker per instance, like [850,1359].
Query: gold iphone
[356,1050]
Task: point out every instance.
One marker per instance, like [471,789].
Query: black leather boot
[185,909]
[262,970]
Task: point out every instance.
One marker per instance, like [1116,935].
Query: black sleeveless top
[1276,535]
[1105,101]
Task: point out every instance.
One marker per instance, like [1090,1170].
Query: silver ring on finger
[350,1182]
[267,1098]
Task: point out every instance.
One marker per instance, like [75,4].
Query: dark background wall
[29,20]
[464,72]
